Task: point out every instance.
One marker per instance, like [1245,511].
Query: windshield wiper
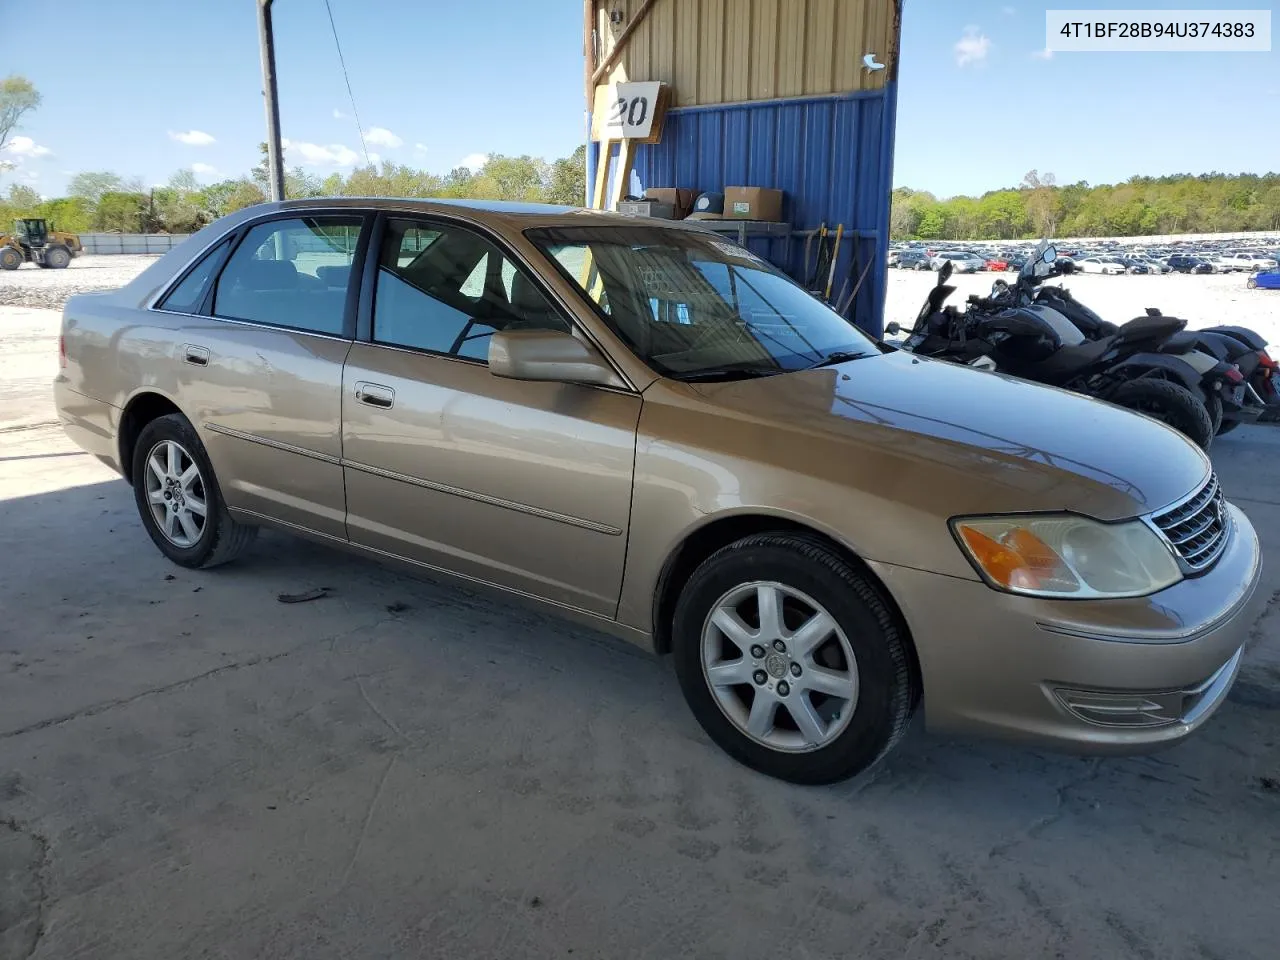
[838,356]
[714,374]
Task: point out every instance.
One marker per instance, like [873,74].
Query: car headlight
[1067,556]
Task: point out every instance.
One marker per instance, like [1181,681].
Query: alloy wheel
[176,493]
[779,666]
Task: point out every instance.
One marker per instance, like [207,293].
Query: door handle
[195,354]
[375,395]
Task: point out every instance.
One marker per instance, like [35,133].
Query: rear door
[262,368]
[522,484]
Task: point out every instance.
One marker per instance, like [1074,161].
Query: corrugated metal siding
[731,51]
[823,153]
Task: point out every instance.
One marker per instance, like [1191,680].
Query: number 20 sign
[629,111]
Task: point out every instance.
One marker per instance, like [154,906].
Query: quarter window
[291,273]
[450,294]
[187,296]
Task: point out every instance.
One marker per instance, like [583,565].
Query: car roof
[511,213]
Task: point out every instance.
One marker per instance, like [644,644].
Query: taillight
[1234,375]
[62,350]
[1264,358]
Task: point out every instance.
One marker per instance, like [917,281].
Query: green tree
[567,183]
[92,185]
[120,212]
[23,200]
[18,97]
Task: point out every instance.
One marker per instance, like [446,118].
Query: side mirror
[548,355]
[892,328]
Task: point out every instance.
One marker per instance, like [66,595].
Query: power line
[351,96]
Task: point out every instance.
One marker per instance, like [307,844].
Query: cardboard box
[646,208]
[752,203]
[681,200]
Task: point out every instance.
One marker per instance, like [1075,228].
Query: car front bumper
[1100,676]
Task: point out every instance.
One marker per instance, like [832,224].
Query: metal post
[275,157]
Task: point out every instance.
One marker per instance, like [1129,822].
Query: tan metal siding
[729,51]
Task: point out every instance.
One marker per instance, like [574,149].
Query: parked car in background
[1183,263]
[962,261]
[1222,263]
[913,260]
[1096,264]
[1133,264]
[996,262]
[562,406]
[1251,262]
[1265,280]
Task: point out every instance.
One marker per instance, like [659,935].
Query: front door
[522,484]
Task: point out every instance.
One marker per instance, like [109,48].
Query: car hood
[993,443]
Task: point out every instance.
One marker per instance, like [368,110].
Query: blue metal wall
[831,156]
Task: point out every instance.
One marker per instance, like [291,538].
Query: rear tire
[10,259]
[1169,403]
[57,258]
[163,488]
[754,685]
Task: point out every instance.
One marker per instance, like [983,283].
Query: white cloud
[1045,54]
[972,47]
[26,147]
[319,155]
[1009,11]
[375,158]
[206,169]
[192,138]
[421,148]
[474,161]
[338,114]
[382,137]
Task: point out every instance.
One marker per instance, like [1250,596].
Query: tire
[1213,404]
[1227,426]
[57,258]
[1169,403]
[864,652]
[1252,283]
[10,259]
[214,540]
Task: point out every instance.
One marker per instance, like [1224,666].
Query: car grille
[1197,528]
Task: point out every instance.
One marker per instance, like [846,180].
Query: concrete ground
[189,768]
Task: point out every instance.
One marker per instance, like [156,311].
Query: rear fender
[1159,365]
[1243,334]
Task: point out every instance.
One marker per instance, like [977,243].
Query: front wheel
[1252,283]
[10,259]
[1170,404]
[179,499]
[57,258]
[791,660]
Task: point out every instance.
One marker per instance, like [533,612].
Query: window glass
[693,305]
[292,273]
[451,295]
[187,296]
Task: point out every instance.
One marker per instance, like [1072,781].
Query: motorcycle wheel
[1169,403]
[1213,404]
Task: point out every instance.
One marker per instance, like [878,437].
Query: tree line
[107,202]
[1141,206]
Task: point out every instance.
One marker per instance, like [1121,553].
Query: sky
[146,88]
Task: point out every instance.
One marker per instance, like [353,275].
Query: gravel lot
[189,768]
[30,286]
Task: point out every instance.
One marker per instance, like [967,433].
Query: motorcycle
[1239,381]
[1012,333]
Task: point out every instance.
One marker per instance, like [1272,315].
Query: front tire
[1169,403]
[179,499]
[10,259]
[791,659]
[57,258]
[1252,283]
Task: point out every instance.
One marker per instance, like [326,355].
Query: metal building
[770,93]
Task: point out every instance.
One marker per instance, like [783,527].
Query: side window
[187,296]
[291,273]
[452,293]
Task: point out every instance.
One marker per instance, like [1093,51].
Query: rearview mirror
[892,328]
[548,355]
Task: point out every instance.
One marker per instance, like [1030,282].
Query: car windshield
[692,305]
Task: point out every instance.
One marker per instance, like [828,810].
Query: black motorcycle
[1243,384]
[1012,333]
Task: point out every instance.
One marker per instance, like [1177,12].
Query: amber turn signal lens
[1019,559]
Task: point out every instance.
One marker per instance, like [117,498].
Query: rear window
[187,296]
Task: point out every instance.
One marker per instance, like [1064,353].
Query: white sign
[629,110]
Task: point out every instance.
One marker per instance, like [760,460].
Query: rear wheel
[1170,404]
[179,499]
[57,257]
[791,661]
[10,259]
